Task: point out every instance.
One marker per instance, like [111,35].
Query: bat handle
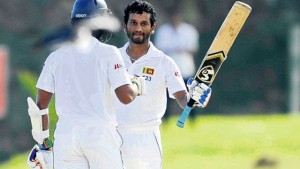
[185,113]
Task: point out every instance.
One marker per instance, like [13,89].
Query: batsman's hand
[199,92]
[140,84]
[40,157]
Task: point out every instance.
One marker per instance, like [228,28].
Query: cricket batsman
[83,75]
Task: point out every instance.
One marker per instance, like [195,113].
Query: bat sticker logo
[207,73]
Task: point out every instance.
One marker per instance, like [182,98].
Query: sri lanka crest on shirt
[149,71]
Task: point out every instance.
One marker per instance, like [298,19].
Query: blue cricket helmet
[94,15]
[86,9]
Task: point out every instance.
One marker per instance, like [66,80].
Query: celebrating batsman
[139,121]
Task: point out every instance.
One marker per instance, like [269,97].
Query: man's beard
[138,40]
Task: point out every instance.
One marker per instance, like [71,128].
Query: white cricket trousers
[141,147]
[86,146]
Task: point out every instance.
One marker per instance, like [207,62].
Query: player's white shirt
[161,73]
[177,43]
[83,80]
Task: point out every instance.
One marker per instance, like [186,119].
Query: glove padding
[199,92]
[40,159]
[140,84]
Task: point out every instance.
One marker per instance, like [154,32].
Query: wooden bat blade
[230,28]
[217,53]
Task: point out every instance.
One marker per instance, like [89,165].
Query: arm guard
[36,121]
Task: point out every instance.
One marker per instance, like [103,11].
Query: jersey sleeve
[46,79]
[174,79]
[117,72]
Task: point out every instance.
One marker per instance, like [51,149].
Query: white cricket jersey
[83,80]
[161,73]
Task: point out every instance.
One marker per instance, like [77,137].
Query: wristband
[47,144]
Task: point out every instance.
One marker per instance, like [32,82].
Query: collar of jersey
[145,57]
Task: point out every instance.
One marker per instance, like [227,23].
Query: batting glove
[199,92]
[140,84]
[41,156]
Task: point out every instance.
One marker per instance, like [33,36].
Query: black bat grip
[191,102]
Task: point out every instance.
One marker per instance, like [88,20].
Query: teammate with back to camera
[83,76]
[139,121]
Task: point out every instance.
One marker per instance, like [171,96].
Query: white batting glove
[40,157]
[199,92]
[140,84]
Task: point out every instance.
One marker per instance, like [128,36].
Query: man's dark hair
[139,7]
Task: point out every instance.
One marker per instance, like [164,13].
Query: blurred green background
[254,82]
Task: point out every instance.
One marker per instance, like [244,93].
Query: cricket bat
[217,53]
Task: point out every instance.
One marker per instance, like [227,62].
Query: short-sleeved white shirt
[83,80]
[161,73]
